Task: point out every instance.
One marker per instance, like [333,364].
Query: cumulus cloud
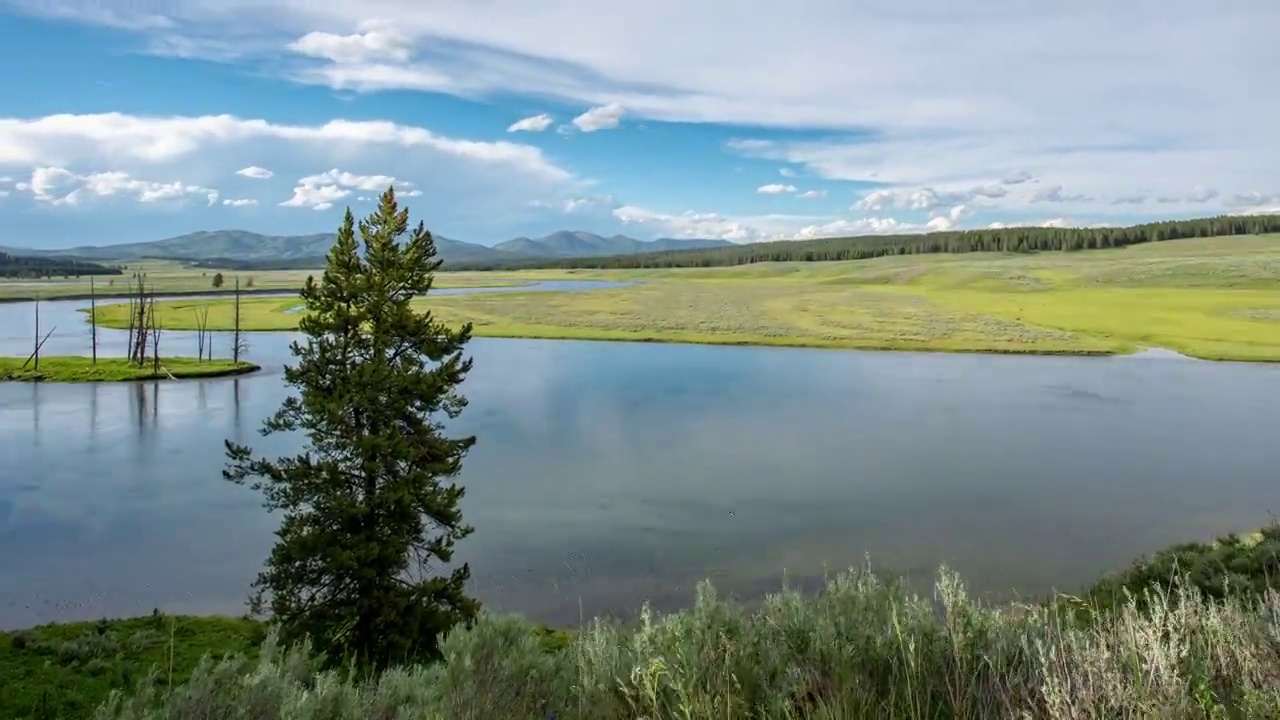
[60,186]
[775,189]
[1050,223]
[54,138]
[255,172]
[935,117]
[239,202]
[927,118]
[382,44]
[788,173]
[474,187]
[605,117]
[761,228]
[535,123]
[321,191]
[693,224]
[811,194]
[924,198]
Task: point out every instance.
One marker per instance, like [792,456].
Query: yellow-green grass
[167,276]
[1216,299]
[73,368]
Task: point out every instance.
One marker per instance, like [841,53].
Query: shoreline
[73,369]
[639,336]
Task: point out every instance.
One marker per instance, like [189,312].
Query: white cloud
[924,198]
[382,44]
[605,117]
[534,123]
[255,172]
[1262,210]
[60,186]
[693,224]
[989,191]
[1050,223]
[239,202]
[927,117]
[922,101]
[948,219]
[810,194]
[1201,194]
[1252,199]
[775,227]
[860,226]
[788,173]
[1054,194]
[319,192]
[54,139]
[474,188]
[775,189]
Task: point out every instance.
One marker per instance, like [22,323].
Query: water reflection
[607,473]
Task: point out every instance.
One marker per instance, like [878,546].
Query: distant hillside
[1015,239]
[18,266]
[584,244]
[240,249]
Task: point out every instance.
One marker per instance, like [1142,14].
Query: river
[607,473]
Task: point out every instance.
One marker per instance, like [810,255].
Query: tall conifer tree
[367,508]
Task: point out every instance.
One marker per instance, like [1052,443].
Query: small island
[75,368]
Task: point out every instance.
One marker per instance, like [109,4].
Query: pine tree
[366,509]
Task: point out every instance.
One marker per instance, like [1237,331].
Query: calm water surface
[606,473]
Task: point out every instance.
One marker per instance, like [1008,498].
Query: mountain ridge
[243,246]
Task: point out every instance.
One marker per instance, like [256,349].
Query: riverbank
[73,368]
[863,648]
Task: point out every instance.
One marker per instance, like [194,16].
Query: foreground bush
[859,649]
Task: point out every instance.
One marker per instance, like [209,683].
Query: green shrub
[861,648]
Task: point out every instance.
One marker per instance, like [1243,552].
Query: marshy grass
[1215,298]
[74,368]
[861,648]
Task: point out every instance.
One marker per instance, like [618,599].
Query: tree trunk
[93,318]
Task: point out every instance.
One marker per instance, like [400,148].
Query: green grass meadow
[1217,298]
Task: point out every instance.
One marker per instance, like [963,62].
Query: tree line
[19,266]
[1014,240]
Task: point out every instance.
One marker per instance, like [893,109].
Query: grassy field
[72,368]
[67,670]
[1217,299]
[1186,634]
[165,276]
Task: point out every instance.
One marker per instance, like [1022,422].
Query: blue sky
[661,120]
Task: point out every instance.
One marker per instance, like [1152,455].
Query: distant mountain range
[241,247]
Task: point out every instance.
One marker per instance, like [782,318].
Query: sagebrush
[861,648]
